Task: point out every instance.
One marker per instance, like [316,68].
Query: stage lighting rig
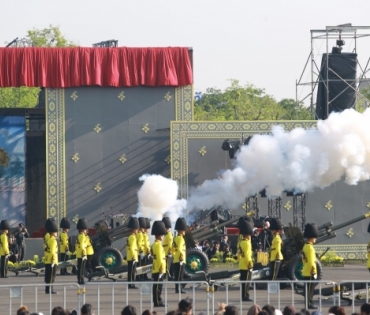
[340,43]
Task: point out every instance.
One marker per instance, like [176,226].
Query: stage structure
[320,72]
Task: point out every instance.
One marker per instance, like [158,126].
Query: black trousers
[63,257]
[131,272]
[21,251]
[81,264]
[310,289]
[157,288]
[274,269]
[245,275]
[4,266]
[49,278]
[178,274]
[168,274]
[89,263]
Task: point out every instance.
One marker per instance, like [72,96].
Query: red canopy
[79,66]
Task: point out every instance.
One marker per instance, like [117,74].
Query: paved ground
[110,296]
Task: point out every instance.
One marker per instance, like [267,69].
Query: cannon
[105,254]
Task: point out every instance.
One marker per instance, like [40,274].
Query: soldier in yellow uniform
[241,219]
[64,243]
[140,244]
[81,253]
[245,258]
[309,270]
[132,251]
[146,248]
[4,248]
[51,258]
[179,253]
[167,245]
[159,262]
[89,253]
[276,256]
[48,224]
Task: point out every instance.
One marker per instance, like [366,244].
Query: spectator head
[289,310]
[185,306]
[171,313]
[365,309]
[58,311]
[266,225]
[24,313]
[86,309]
[22,309]
[254,310]
[231,310]
[305,312]
[269,309]
[263,313]
[316,313]
[37,313]
[147,312]
[129,310]
[337,310]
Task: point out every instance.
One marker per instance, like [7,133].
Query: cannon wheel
[108,257]
[196,260]
[293,270]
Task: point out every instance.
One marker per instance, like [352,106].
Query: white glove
[251,270]
[142,255]
[169,256]
[160,276]
[52,265]
[68,253]
[181,263]
[84,258]
[149,256]
[314,276]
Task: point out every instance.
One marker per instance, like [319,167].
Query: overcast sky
[263,42]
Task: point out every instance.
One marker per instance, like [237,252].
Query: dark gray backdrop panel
[121,122]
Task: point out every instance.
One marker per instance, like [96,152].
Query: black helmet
[180,224]
[158,228]
[4,225]
[142,223]
[81,224]
[275,224]
[51,226]
[247,219]
[310,231]
[167,222]
[147,221]
[65,224]
[133,223]
[246,228]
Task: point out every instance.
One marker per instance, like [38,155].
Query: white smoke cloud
[299,159]
[158,197]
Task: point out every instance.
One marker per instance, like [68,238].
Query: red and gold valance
[79,66]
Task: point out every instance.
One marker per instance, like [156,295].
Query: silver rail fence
[112,297]
[33,295]
[350,287]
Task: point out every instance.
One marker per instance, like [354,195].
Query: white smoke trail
[296,160]
[158,197]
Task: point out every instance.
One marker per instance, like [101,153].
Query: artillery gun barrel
[205,228]
[339,226]
[325,237]
[325,226]
[202,234]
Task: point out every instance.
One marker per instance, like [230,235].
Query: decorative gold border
[348,252]
[55,154]
[182,131]
[184,103]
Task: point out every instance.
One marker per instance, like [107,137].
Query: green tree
[27,97]
[237,102]
[294,110]
[362,102]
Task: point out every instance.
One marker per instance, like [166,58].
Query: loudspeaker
[340,69]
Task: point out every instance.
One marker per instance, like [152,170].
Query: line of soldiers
[83,249]
[309,270]
[162,251]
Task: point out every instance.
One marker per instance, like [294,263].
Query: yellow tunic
[89,247]
[52,256]
[131,248]
[167,243]
[275,250]
[159,257]
[4,245]
[64,243]
[309,260]
[245,254]
[179,249]
[46,248]
[146,244]
[140,241]
[81,245]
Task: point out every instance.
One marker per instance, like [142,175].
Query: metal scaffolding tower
[299,210]
[274,208]
[251,204]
